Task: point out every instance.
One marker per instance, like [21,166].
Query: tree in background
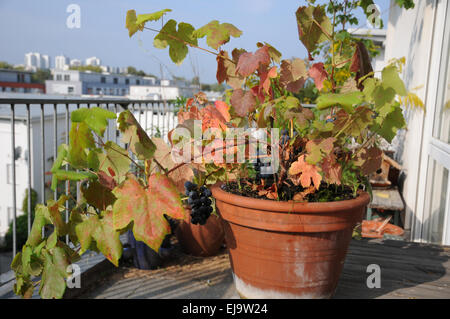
[41,75]
[21,223]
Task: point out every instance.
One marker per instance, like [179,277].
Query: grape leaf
[319,148]
[102,232]
[217,33]
[332,170]
[133,23]
[275,55]
[249,62]
[177,40]
[133,134]
[319,74]
[293,74]
[312,22]
[114,161]
[80,140]
[146,206]
[98,195]
[95,118]
[243,102]
[164,157]
[391,79]
[369,160]
[305,174]
[53,283]
[390,125]
[355,123]
[345,100]
[361,64]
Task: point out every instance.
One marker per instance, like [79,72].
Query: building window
[124,91]
[99,91]
[66,77]
[70,89]
[58,77]
[138,82]
[116,81]
[20,78]
[89,90]
[102,79]
[127,81]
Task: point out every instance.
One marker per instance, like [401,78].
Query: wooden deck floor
[408,270]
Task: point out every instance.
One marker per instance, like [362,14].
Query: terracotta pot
[287,249]
[201,240]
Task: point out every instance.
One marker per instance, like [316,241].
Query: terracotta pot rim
[289,206]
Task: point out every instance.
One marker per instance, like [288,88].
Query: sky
[40,26]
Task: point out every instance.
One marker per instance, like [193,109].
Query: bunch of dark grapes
[199,202]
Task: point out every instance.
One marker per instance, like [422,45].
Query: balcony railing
[43,125]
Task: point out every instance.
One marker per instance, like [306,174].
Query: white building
[422,36]
[75,82]
[62,62]
[94,61]
[164,90]
[35,61]
[75,62]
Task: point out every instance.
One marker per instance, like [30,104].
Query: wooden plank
[387,199]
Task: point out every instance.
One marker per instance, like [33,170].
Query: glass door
[435,221]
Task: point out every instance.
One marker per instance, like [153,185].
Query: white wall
[410,34]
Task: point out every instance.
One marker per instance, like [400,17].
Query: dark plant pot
[143,256]
[201,240]
[287,249]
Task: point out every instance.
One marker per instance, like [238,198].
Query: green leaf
[364,4]
[95,118]
[345,100]
[391,124]
[114,161]
[81,140]
[145,207]
[353,124]
[133,134]
[53,283]
[391,79]
[102,232]
[60,158]
[155,16]
[217,33]
[177,40]
[312,22]
[63,175]
[30,263]
[318,149]
[41,218]
[133,23]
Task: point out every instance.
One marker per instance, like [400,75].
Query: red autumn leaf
[145,206]
[332,170]
[106,180]
[243,102]
[305,174]
[361,64]
[265,78]
[221,74]
[319,74]
[213,116]
[369,160]
[165,157]
[250,62]
[293,74]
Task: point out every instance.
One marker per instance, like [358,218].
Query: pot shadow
[407,270]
